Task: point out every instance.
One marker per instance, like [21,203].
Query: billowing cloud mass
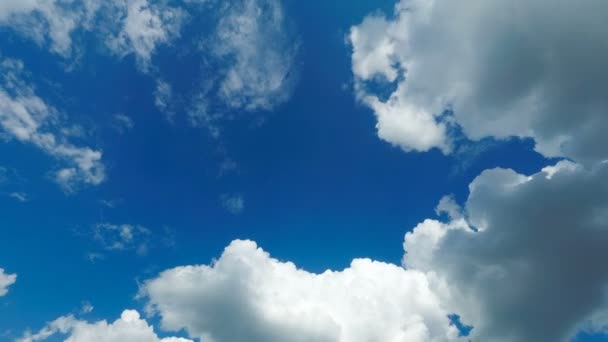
[248,296]
[26,118]
[127,26]
[6,280]
[128,328]
[253,36]
[526,69]
[525,259]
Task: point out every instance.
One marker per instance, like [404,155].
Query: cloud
[235,204]
[26,118]
[19,196]
[6,280]
[275,301]
[163,98]
[525,259]
[46,22]
[128,328]
[144,28]
[502,69]
[253,36]
[123,123]
[127,26]
[121,237]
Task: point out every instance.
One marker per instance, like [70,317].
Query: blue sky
[273,121]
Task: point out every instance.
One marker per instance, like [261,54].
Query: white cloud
[235,204]
[144,28]
[49,21]
[532,69]
[252,36]
[19,196]
[163,98]
[525,259]
[248,296]
[128,328]
[120,237]
[128,26]
[6,280]
[123,123]
[28,119]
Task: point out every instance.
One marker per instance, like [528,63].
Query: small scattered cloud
[26,118]
[163,99]
[233,203]
[6,280]
[122,237]
[19,196]
[86,308]
[145,26]
[254,36]
[123,123]
[110,203]
[93,257]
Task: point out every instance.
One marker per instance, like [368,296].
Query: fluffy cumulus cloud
[248,296]
[128,328]
[525,259]
[6,280]
[127,26]
[493,68]
[253,36]
[26,118]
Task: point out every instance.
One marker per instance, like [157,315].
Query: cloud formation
[120,237]
[524,259]
[274,301]
[493,68]
[126,26]
[25,117]
[253,36]
[234,204]
[6,280]
[128,328]
[144,28]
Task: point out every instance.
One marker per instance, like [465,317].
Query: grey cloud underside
[527,69]
[535,269]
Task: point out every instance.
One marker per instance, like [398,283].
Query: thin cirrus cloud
[122,237]
[254,34]
[126,27]
[256,53]
[26,118]
[502,69]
